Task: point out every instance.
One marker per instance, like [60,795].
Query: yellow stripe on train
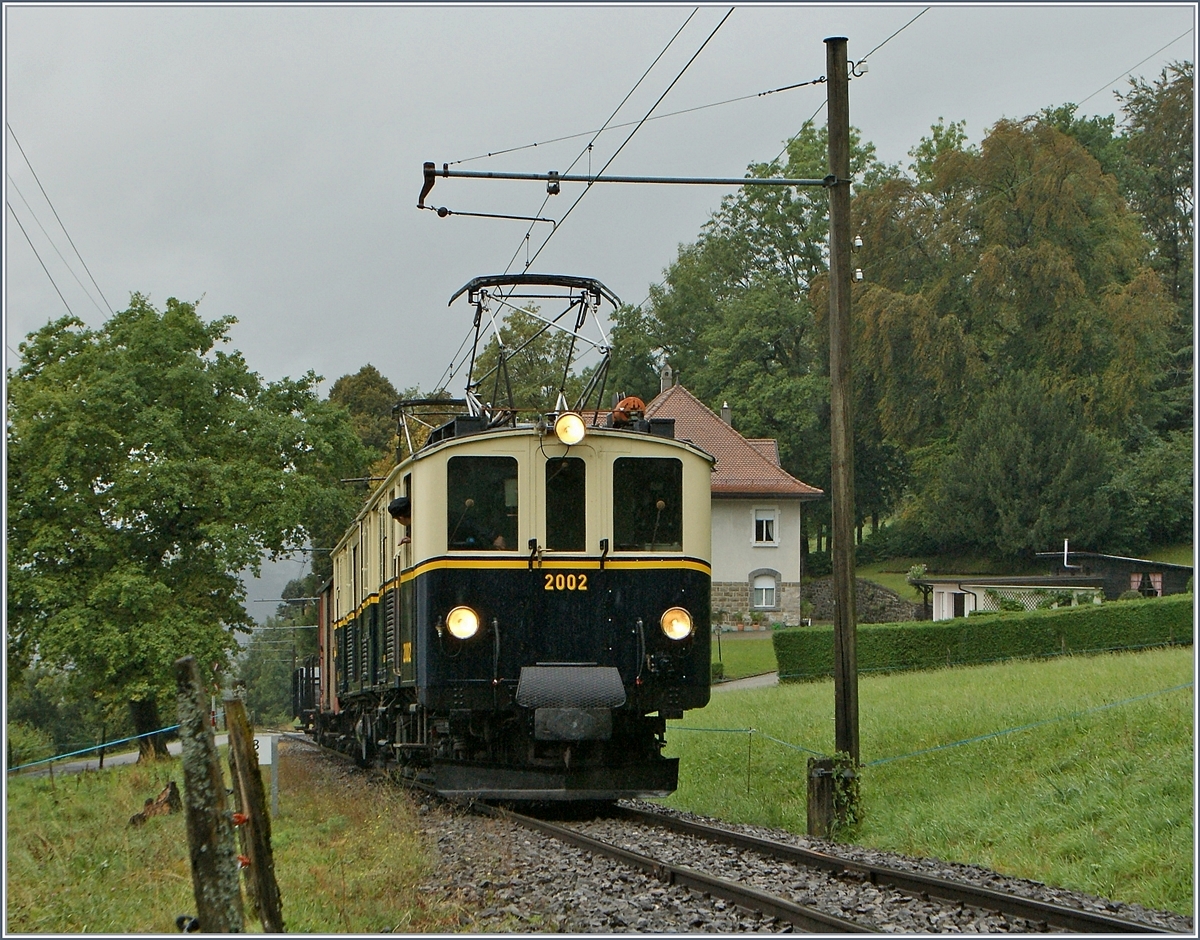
[517,564]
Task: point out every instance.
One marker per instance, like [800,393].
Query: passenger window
[566,504]
[481,507]
[647,504]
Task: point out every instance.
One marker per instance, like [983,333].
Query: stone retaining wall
[875,604]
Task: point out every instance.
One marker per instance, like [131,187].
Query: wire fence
[1070,716]
[89,750]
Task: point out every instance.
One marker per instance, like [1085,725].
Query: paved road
[750,682]
[93,763]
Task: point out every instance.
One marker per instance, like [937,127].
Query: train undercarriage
[509,754]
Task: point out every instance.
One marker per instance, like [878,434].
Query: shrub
[1130,596]
[818,565]
[27,743]
[897,647]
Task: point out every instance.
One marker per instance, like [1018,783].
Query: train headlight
[676,623]
[569,428]
[462,622]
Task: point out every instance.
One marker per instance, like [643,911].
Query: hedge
[807,652]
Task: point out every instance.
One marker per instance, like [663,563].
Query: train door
[565,597]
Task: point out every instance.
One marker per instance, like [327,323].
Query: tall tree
[369,397]
[1018,256]
[735,314]
[1159,142]
[1024,472]
[146,468]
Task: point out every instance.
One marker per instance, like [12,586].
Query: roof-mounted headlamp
[569,428]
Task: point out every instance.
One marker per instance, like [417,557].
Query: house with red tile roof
[756,513]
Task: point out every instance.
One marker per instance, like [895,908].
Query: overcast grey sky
[268,158]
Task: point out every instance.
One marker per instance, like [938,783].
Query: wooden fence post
[209,826]
[255,832]
[820,797]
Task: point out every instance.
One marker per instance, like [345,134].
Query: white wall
[734,554]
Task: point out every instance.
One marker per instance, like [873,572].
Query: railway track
[810,890]
[926,887]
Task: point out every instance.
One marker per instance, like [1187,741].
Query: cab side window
[648,504]
[481,503]
[566,504]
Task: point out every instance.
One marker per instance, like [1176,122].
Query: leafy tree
[735,315]
[369,397]
[265,665]
[1152,492]
[51,701]
[1018,256]
[146,469]
[1024,473]
[1097,135]
[1159,141]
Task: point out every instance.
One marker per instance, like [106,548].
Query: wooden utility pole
[841,419]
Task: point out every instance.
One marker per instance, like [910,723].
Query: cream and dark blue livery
[520,607]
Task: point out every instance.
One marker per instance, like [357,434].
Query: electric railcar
[520,606]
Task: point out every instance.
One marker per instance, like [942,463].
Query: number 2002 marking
[566,582]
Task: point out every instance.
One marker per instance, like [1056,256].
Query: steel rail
[805,918]
[1053,915]
[750,898]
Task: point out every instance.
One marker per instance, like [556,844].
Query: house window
[1148,585]
[765,526]
[764,591]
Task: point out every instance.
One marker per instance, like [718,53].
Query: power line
[588,148]
[813,117]
[39,257]
[657,117]
[894,35]
[66,264]
[60,221]
[1143,62]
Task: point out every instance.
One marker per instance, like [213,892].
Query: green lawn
[1172,554]
[1100,801]
[744,655]
[74,865]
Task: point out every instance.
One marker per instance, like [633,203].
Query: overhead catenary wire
[452,369]
[56,216]
[587,189]
[588,148]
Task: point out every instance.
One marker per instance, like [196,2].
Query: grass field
[1100,801]
[75,866]
[745,654]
